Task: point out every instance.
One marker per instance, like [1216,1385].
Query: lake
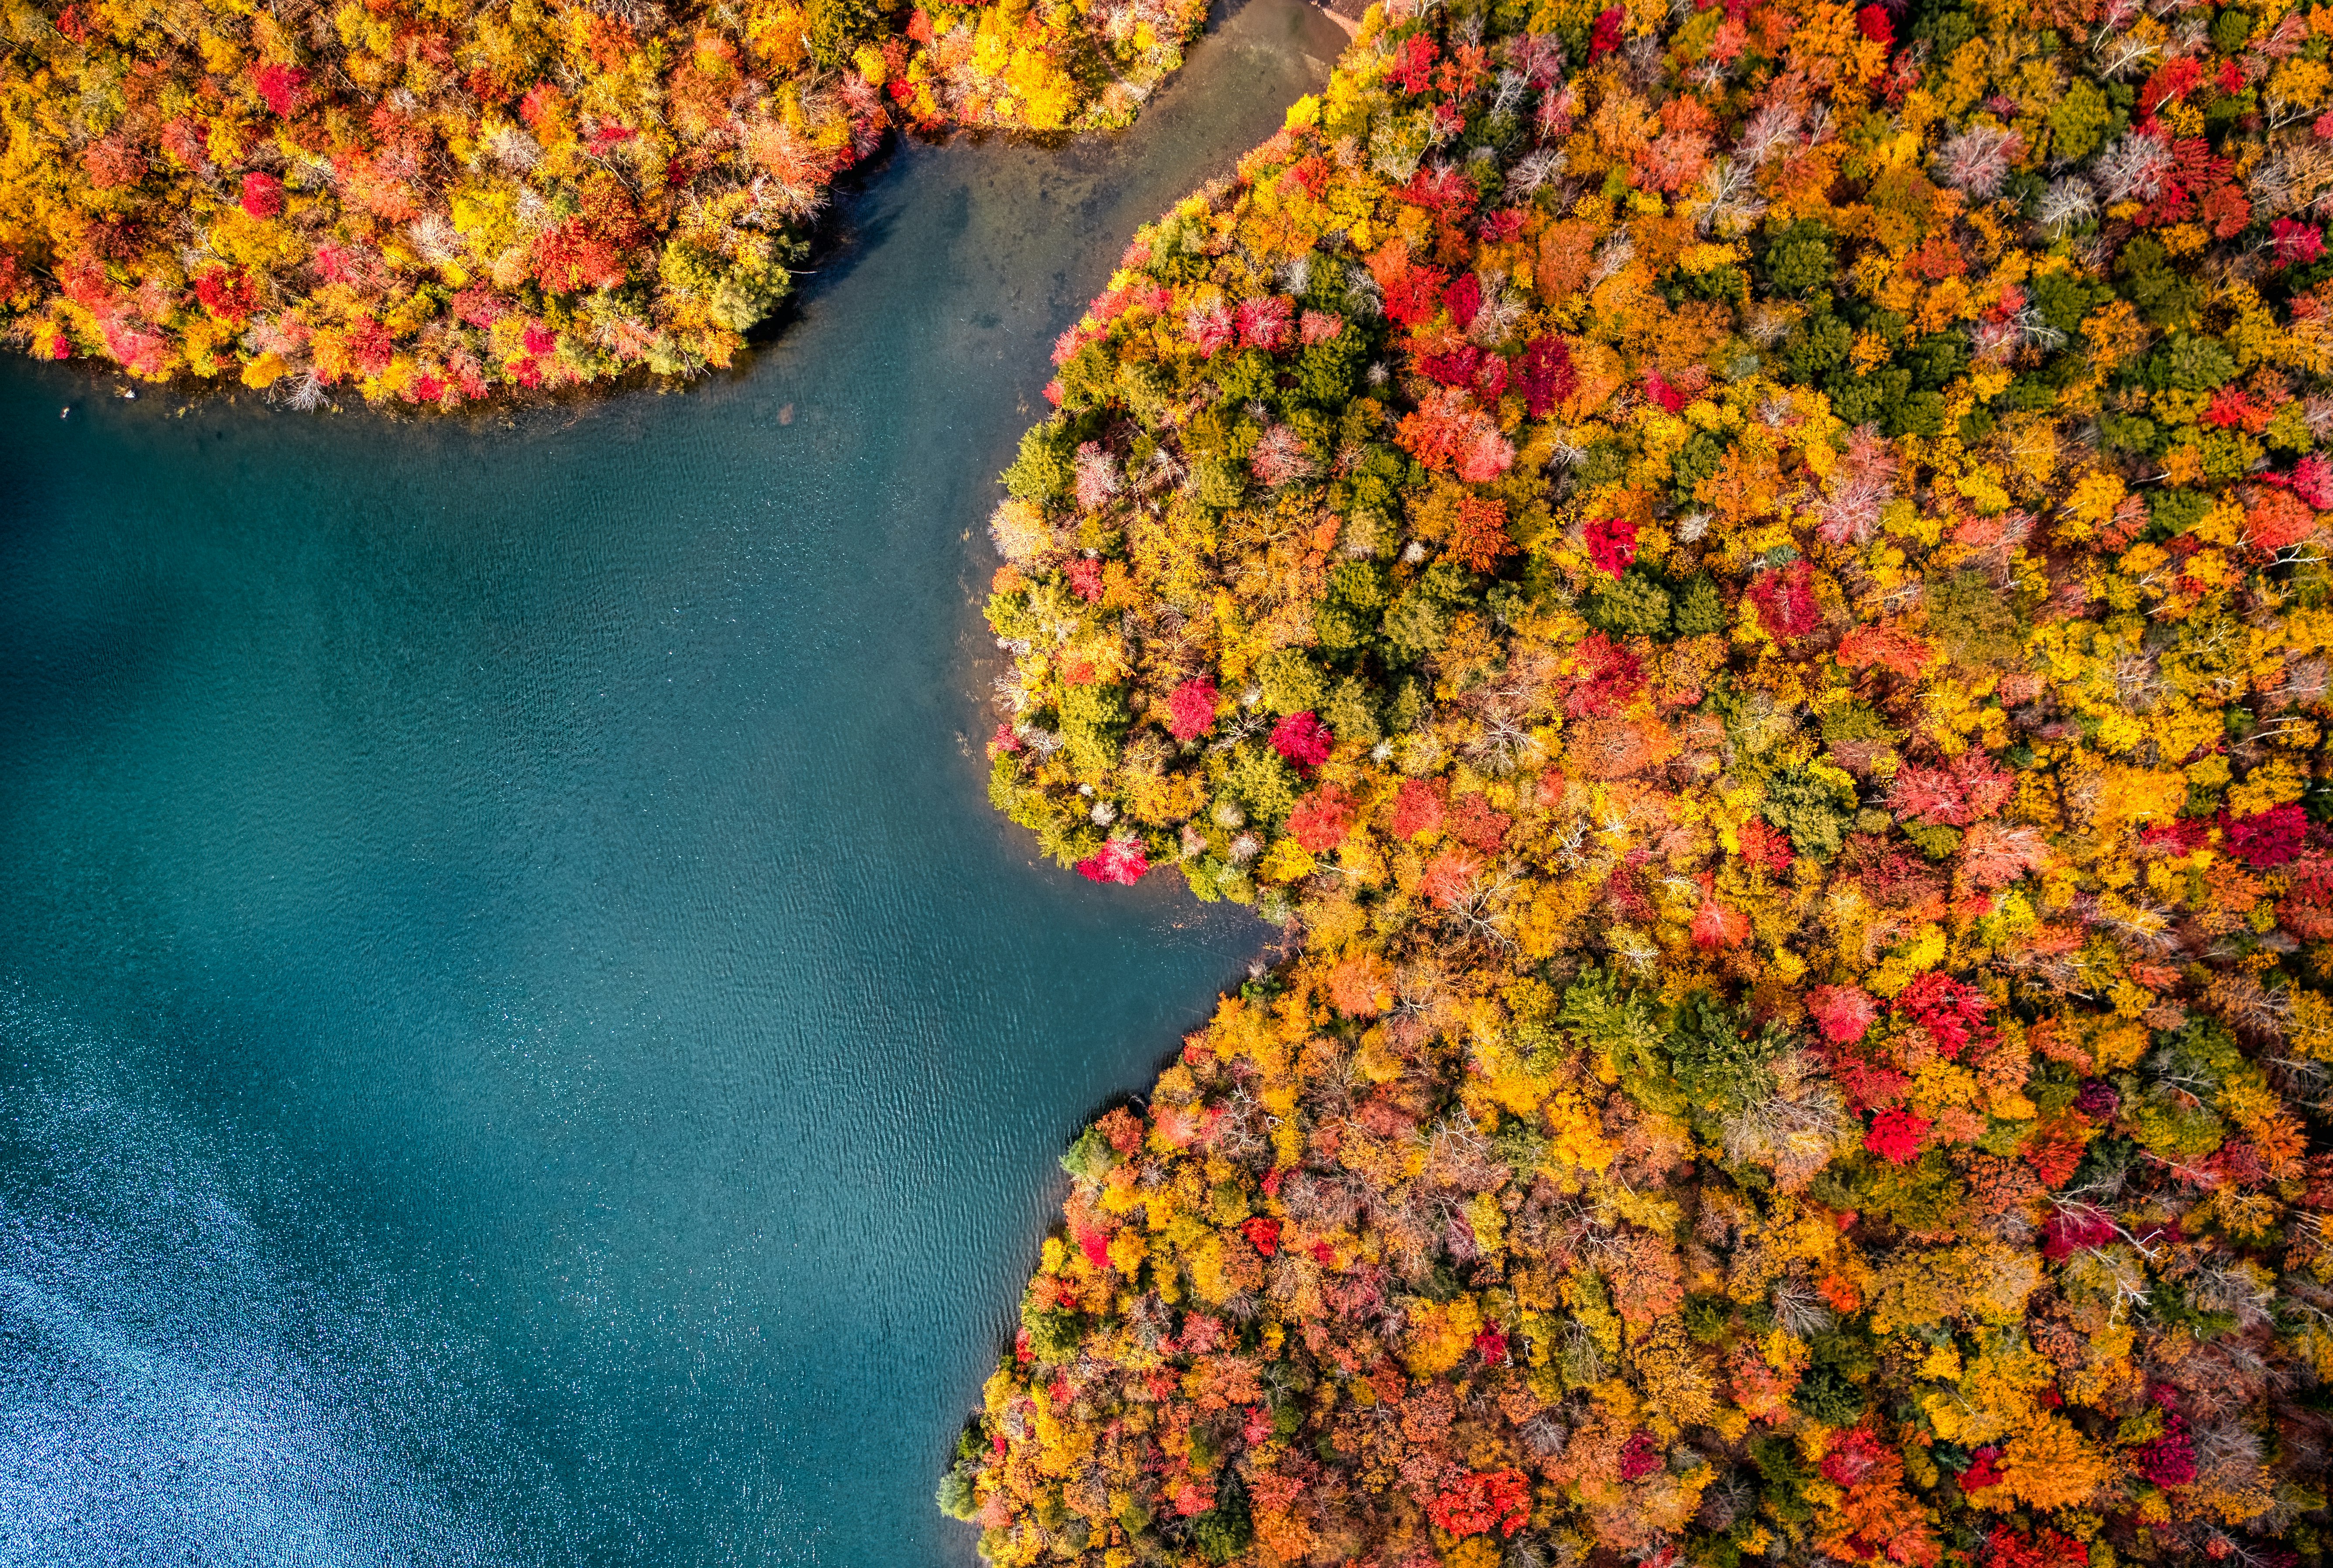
[521,1038]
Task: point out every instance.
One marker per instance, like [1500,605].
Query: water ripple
[529,1045]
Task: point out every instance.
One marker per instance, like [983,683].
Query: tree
[1480,1502]
[1120,859]
[1417,808]
[1612,544]
[1480,539]
[1191,708]
[1321,819]
[1302,739]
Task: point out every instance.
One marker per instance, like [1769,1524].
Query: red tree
[1121,860]
[283,88]
[1417,809]
[1612,544]
[1302,739]
[1322,819]
[1191,708]
[262,195]
[1486,1500]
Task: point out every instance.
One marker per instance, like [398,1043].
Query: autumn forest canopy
[427,202]
[1748,578]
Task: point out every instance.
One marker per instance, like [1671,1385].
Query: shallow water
[521,1039]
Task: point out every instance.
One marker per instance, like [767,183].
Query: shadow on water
[1263,49]
[521,1039]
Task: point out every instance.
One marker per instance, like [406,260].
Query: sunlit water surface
[521,1039]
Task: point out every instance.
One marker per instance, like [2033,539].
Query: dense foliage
[1749,581]
[430,199]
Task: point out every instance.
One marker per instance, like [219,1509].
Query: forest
[432,202]
[1746,580]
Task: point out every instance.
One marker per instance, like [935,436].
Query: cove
[521,1038]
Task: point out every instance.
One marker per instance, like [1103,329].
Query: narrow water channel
[521,1039]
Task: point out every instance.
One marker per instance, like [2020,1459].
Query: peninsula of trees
[425,201]
[1750,579]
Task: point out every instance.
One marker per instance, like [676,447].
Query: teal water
[521,1039]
